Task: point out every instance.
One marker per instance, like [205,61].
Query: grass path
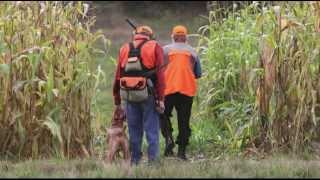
[235,167]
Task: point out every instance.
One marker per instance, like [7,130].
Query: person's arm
[197,68]
[160,85]
[165,54]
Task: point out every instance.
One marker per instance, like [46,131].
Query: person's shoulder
[191,49]
[153,43]
[188,46]
[167,46]
[124,46]
[123,49]
[184,46]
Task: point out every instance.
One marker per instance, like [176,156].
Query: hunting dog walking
[117,139]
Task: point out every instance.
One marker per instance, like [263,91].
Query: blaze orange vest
[147,54]
[179,75]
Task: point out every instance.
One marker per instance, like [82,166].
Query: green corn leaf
[54,128]
[4,69]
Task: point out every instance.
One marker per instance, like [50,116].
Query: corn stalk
[285,43]
[47,79]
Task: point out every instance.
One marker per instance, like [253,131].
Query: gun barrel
[131,24]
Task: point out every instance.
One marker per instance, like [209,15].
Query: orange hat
[145,30]
[179,30]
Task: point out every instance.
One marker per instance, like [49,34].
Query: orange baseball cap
[144,29]
[179,30]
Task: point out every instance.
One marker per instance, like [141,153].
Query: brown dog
[117,139]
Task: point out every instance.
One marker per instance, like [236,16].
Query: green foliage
[226,92]
[48,79]
[256,77]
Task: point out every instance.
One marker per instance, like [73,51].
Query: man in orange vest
[180,78]
[142,93]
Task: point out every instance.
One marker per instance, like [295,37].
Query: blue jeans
[143,117]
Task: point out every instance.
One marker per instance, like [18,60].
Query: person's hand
[160,107]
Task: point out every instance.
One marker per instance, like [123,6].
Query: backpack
[134,83]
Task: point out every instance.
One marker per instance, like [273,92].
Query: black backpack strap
[131,46]
[136,51]
[132,50]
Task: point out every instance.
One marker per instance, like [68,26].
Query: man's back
[179,46]
[151,57]
[183,68]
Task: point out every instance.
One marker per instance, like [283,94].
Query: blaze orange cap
[144,29]
[179,30]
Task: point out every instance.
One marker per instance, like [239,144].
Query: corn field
[259,90]
[48,79]
[261,76]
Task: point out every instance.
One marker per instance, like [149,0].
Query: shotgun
[135,28]
[131,24]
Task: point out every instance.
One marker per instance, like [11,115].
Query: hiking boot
[169,147]
[182,153]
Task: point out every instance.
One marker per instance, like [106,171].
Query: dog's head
[119,117]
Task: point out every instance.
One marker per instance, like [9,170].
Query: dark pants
[183,105]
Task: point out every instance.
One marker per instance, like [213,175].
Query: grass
[280,166]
